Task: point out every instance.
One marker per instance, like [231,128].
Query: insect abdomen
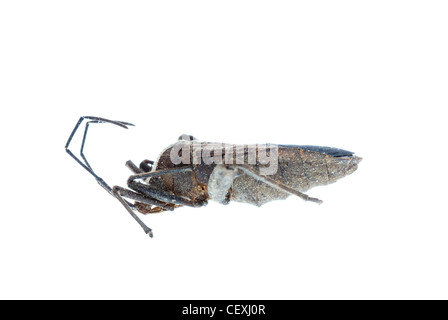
[298,168]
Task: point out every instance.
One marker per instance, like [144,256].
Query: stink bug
[191,172]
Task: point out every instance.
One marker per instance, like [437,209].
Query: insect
[191,172]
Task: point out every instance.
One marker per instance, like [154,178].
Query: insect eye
[186,137]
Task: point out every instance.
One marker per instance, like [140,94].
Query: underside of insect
[191,172]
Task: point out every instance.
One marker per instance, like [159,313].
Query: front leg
[160,194]
[164,196]
[143,204]
[116,191]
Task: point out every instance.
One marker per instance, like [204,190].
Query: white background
[367,76]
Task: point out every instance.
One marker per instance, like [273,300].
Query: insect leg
[144,203]
[140,205]
[131,165]
[275,184]
[117,194]
[160,194]
[86,165]
[163,195]
[145,166]
[141,198]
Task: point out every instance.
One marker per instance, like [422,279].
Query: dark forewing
[334,152]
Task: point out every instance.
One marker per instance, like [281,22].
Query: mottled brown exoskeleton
[189,173]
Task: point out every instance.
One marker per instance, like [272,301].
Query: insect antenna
[86,164]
